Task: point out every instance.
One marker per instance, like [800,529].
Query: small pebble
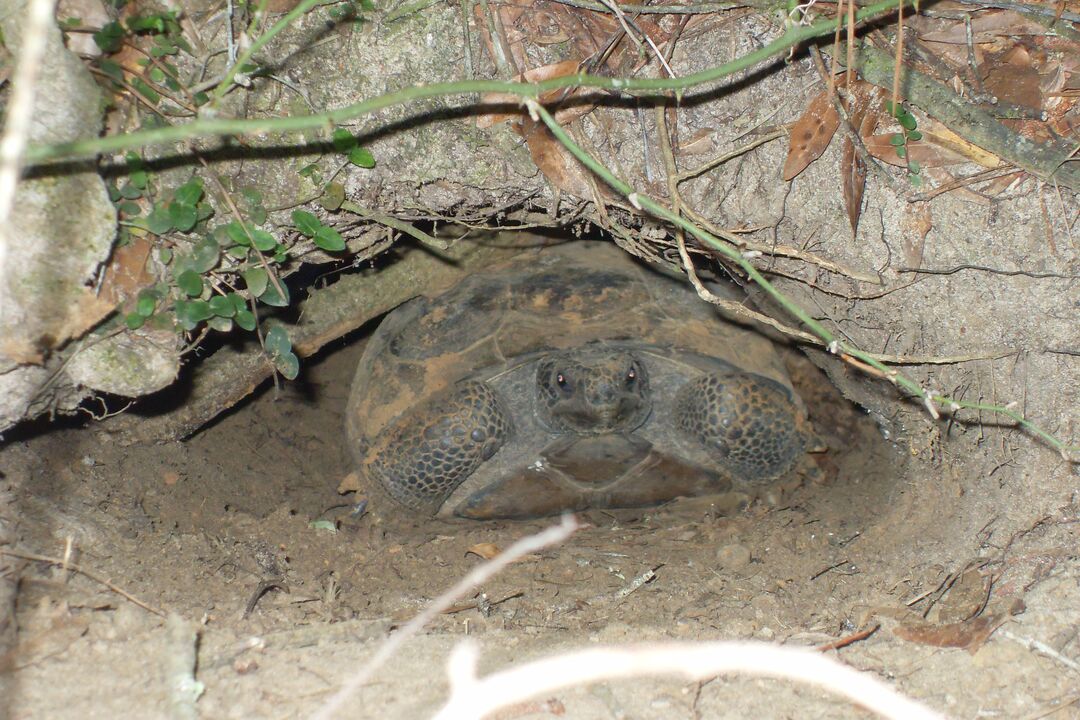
[733,557]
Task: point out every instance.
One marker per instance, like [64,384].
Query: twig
[389,221]
[794,36]
[983,268]
[1041,648]
[476,576]
[849,639]
[473,698]
[84,572]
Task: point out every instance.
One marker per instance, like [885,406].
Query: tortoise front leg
[749,425]
[423,456]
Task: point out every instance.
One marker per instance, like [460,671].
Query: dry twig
[473,698]
[481,573]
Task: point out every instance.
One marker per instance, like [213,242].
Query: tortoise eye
[631,376]
[562,381]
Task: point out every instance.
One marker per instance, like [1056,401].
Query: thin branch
[480,574]
[792,37]
[474,698]
[62,562]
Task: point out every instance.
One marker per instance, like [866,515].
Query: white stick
[478,575]
[20,110]
[472,698]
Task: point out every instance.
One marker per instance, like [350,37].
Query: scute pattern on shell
[748,423]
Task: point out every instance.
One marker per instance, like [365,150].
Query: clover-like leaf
[245,319]
[190,192]
[190,282]
[222,306]
[306,222]
[183,216]
[288,365]
[257,281]
[262,240]
[329,239]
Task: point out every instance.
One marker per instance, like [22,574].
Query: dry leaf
[922,152]
[968,635]
[864,114]
[917,224]
[127,272]
[170,478]
[811,134]
[560,167]
[555,70]
[484,550]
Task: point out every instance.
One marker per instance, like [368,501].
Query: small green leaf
[257,215]
[262,240]
[145,90]
[896,139]
[239,301]
[252,196]
[361,157]
[326,525]
[146,303]
[139,179]
[205,256]
[190,192]
[306,222]
[913,167]
[342,140]
[183,216]
[333,196]
[204,210]
[165,255]
[199,310]
[308,170]
[245,319]
[907,121]
[288,365]
[901,152]
[201,98]
[129,208]
[158,221]
[108,38]
[274,298]
[238,252]
[221,324]
[190,282]
[277,341]
[914,136]
[130,191]
[222,306]
[329,239]
[236,233]
[257,281]
[134,321]
[157,75]
[915,180]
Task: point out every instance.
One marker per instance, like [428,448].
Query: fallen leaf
[864,114]
[969,635]
[917,224]
[559,166]
[170,478]
[485,551]
[811,134]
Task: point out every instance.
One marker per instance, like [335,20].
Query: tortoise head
[593,391]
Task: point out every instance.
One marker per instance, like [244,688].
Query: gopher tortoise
[572,378]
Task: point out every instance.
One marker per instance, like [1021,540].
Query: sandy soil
[198,528]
